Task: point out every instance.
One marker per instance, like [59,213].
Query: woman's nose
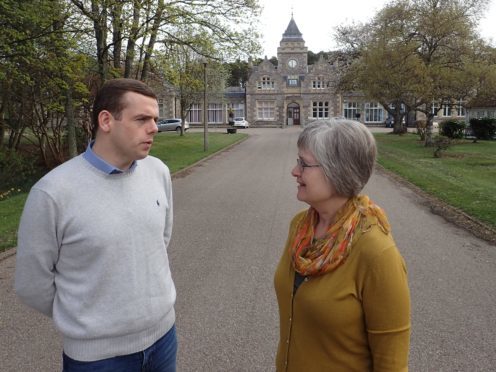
[295,172]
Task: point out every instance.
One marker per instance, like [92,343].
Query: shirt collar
[101,164]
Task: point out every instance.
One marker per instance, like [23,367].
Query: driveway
[231,220]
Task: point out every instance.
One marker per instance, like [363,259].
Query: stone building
[292,93]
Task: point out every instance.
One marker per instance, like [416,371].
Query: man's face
[131,136]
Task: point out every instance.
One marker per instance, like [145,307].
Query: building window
[195,114]
[319,83]
[460,108]
[238,109]
[215,113]
[446,110]
[266,110]
[320,110]
[265,83]
[161,108]
[434,109]
[292,81]
[374,113]
[350,109]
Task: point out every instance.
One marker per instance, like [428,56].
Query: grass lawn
[176,151]
[179,152]
[464,177]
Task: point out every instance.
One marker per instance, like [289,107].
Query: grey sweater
[92,254]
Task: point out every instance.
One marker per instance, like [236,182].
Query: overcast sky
[316,20]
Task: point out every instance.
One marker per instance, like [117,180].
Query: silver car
[171,124]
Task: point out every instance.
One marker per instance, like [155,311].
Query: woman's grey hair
[345,149]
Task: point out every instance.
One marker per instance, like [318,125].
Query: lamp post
[205,124]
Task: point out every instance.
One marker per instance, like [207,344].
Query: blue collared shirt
[101,164]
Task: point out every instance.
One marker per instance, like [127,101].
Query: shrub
[441,143]
[15,169]
[453,128]
[484,128]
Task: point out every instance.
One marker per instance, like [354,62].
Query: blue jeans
[160,357]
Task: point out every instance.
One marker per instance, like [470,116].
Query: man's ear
[105,119]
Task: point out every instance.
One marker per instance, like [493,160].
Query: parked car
[389,122]
[241,122]
[171,124]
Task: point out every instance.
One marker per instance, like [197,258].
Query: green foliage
[10,214]
[16,171]
[452,128]
[441,143]
[419,54]
[314,57]
[238,73]
[484,128]
[463,177]
[176,151]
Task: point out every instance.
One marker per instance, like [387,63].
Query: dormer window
[293,81]
[265,83]
[318,83]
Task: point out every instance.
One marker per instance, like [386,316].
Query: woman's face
[313,186]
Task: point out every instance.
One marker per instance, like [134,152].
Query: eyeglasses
[302,165]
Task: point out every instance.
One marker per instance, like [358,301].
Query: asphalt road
[231,219]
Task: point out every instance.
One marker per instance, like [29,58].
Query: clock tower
[292,53]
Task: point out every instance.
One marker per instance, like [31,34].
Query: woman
[341,283]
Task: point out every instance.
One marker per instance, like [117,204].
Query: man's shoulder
[155,163]
[63,172]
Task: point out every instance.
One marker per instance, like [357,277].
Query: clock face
[292,63]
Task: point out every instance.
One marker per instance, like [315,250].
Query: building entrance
[293,114]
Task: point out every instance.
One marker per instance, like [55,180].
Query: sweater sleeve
[37,252]
[169,212]
[386,302]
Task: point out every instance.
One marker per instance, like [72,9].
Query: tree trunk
[428,131]
[153,38]
[131,42]
[117,33]
[71,130]
[2,128]
[100,26]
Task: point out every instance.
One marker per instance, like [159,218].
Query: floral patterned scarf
[317,257]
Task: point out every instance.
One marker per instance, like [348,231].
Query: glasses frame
[300,163]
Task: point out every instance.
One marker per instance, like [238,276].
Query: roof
[292,32]
[479,102]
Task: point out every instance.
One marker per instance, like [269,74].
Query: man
[93,238]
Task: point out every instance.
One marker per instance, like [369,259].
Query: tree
[40,79]
[156,23]
[417,54]
[184,69]
[238,73]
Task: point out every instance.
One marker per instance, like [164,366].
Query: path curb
[178,174]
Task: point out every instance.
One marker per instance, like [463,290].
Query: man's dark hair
[109,98]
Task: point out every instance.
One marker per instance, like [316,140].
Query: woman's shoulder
[373,242]
[298,217]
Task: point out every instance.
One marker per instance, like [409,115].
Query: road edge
[440,208]
[178,174]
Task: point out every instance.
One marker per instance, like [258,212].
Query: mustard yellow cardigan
[355,318]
